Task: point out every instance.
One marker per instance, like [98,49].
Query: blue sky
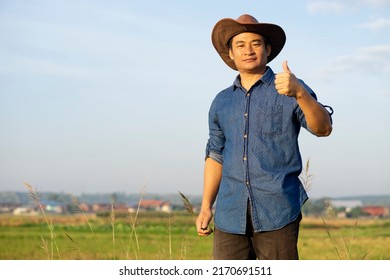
[109,96]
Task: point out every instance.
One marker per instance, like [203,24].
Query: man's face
[249,52]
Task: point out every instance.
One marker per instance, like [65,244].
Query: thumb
[285,67]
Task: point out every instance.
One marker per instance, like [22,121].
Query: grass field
[172,236]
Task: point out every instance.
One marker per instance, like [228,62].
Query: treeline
[314,207]
[24,198]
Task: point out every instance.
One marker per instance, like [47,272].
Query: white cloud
[376,24]
[324,7]
[376,2]
[374,58]
[368,61]
[337,7]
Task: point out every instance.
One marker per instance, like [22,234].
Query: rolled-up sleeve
[301,116]
[216,141]
[299,113]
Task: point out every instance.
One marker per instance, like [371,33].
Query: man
[252,156]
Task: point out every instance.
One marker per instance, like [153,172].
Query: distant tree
[54,197]
[59,197]
[356,212]
[314,207]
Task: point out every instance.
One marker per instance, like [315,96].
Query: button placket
[246,128]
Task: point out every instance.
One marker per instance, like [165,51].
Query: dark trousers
[278,244]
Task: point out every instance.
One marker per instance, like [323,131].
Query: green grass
[169,237]
[162,236]
[345,239]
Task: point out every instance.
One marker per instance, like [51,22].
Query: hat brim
[227,28]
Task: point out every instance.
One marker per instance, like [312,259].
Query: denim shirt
[254,135]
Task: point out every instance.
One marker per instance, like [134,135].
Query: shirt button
[246,114]
[248,94]
[247,183]
[245,135]
[245,158]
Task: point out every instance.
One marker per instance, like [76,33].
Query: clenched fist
[286,83]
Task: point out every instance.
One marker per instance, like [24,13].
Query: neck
[249,78]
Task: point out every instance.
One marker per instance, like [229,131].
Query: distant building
[108,207]
[8,207]
[348,204]
[101,207]
[85,207]
[25,210]
[376,211]
[153,205]
[53,207]
[121,207]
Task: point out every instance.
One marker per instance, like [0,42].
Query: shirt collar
[267,78]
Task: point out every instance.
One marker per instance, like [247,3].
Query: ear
[231,54]
[268,50]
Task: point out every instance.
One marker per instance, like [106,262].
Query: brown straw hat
[227,28]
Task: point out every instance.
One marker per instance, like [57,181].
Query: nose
[249,50]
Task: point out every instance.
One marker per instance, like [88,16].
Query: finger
[282,88]
[283,91]
[279,86]
[285,67]
[202,232]
[282,77]
[204,225]
[206,232]
[201,225]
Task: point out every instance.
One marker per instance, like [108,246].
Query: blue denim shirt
[254,134]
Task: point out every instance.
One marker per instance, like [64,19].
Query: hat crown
[247,19]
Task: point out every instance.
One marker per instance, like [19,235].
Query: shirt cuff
[214,156]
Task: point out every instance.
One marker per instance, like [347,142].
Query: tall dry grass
[78,209]
[133,234]
[49,248]
[306,177]
[341,245]
[132,246]
[190,209]
[45,246]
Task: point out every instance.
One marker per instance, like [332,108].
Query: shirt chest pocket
[271,120]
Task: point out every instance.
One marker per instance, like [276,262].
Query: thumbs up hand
[285,67]
[286,83]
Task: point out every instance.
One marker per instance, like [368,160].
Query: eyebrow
[256,40]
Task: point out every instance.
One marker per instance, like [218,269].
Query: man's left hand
[286,83]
